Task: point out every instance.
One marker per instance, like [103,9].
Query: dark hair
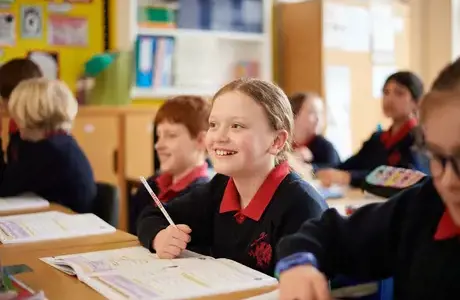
[410,81]
[444,89]
[15,71]
[298,99]
[191,111]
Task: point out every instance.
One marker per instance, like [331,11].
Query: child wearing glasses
[413,237]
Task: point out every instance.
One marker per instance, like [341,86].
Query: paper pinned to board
[338,101]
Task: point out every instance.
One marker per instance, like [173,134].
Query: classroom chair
[107,203]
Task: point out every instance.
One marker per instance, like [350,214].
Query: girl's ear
[280,140]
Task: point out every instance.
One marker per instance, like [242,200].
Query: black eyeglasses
[438,163]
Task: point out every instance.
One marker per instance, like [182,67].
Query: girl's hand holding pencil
[170,242]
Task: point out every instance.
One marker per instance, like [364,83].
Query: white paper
[138,274]
[31,21]
[379,76]
[383,30]
[357,32]
[346,27]
[338,101]
[7,29]
[50,225]
[22,202]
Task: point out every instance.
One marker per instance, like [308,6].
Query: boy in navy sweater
[11,74]
[51,164]
[181,125]
[401,94]
[309,145]
[413,237]
[255,200]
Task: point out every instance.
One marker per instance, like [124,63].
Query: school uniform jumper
[410,237]
[54,168]
[324,153]
[165,190]
[384,148]
[222,229]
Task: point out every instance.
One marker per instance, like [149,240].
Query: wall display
[48,62]
[31,21]
[7,29]
[68,31]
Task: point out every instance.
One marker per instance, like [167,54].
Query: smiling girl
[255,199]
[413,237]
[401,94]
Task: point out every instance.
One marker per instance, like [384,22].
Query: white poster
[338,101]
[7,29]
[383,29]
[346,27]
[31,21]
[379,76]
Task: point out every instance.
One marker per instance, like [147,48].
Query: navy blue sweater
[376,152]
[142,199]
[54,168]
[408,238]
[324,153]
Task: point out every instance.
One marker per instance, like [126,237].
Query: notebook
[50,225]
[135,273]
[22,202]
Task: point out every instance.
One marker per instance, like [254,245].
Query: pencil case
[386,181]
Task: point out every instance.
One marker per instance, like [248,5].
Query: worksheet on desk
[50,225]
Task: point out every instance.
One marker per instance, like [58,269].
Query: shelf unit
[203,60]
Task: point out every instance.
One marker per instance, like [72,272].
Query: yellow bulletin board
[86,18]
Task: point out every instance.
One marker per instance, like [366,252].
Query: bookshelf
[198,59]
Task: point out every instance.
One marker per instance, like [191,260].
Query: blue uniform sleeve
[364,245]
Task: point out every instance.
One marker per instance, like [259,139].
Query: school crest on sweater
[261,250]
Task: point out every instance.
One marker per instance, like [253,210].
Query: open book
[22,202]
[135,273]
[50,225]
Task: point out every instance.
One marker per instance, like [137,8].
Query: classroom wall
[431,37]
[71,58]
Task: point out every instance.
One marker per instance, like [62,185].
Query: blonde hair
[43,104]
[274,102]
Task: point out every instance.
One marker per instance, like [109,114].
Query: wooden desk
[58,285]
[355,198]
[52,207]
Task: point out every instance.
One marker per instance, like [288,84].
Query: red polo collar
[257,205]
[306,144]
[446,228]
[168,189]
[389,140]
[12,127]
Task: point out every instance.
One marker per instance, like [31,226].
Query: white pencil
[157,201]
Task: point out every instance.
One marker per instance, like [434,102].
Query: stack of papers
[22,203]
[50,225]
[135,273]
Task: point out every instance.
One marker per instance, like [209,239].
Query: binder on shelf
[154,62]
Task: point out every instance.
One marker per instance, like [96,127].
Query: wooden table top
[353,197]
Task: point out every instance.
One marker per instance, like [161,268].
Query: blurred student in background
[402,92]
[181,125]
[309,144]
[11,74]
[51,164]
